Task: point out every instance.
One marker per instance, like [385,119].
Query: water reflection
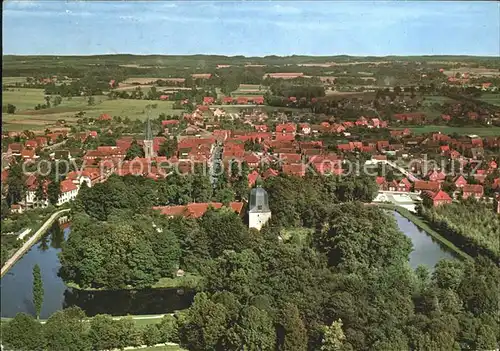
[426,250]
[16,287]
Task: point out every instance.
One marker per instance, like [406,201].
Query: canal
[16,285]
[426,250]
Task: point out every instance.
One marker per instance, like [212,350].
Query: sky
[251,28]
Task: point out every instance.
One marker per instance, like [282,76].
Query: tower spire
[149,133]
[148,140]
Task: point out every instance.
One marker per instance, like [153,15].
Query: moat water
[16,285]
[16,288]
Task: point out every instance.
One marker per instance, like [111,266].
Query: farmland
[249,89]
[26,117]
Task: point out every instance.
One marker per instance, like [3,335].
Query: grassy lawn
[481,131]
[296,235]
[188,281]
[163,348]
[491,98]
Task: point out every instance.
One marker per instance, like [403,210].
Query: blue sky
[252,28]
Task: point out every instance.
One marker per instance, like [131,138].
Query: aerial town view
[250,176]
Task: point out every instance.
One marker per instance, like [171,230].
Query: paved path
[26,246]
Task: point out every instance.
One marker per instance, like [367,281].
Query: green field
[13,80]
[433,99]
[491,98]
[26,117]
[481,131]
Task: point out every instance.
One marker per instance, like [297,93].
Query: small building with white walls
[258,209]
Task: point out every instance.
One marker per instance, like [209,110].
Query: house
[305,128]
[62,154]
[375,123]
[104,117]
[196,210]
[460,181]
[169,123]
[41,141]
[435,175]
[436,198]
[68,192]
[208,100]
[269,173]
[227,99]
[164,97]
[260,127]
[286,128]
[446,118]
[31,144]
[28,155]
[410,117]
[252,178]
[290,158]
[241,100]
[475,190]
[404,185]
[382,145]
[422,185]
[252,160]
[294,169]
[259,100]
[380,182]
[15,148]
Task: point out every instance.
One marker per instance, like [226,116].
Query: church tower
[258,210]
[148,141]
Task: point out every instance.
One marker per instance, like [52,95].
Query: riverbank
[420,223]
[31,241]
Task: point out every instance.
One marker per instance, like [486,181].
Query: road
[34,238]
[55,146]
[215,157]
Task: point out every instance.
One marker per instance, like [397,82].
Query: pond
[16,288]
[16,285]
[426,250]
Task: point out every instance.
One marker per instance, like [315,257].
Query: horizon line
[264,56]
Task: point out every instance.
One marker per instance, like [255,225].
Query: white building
[68,192]
[259,212]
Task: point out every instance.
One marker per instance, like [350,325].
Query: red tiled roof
[287,127]
[196,210]
[294,169]
[67,185]
[29,154]
[252,178]
[441,195]
[473,188]
[269,173]
[427,185]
